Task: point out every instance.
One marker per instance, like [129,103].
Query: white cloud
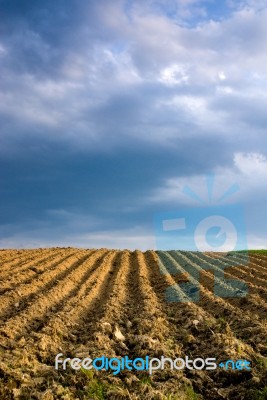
[193,70]
[252,165]
[247,178]
[250,175]
[133,238]
[173,75]
[222,76]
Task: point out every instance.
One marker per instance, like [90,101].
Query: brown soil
[90,303]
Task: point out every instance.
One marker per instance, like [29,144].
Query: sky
[109,108]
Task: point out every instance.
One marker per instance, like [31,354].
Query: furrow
[242,264]
[253,303]
[29,262]
[18,298]
[13,256]
[99,322]
[50,294]
[116,299]
[110,298]
[33,271]
[205,318]
[253,267]
[262,258]
[17,257]
[72,323]
[248,325]
[191,333]
[78,284]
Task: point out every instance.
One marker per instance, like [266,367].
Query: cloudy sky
[109,108]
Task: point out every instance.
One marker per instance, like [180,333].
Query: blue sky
[109,108]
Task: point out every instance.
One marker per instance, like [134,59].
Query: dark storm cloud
[101,184]
[39,34]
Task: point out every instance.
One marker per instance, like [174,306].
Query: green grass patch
[191,394]
[94,389]
[260,251]
[145,380]
[260,394]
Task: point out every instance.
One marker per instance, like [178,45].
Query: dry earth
[109,302]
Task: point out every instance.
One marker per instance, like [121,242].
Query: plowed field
[112,303]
